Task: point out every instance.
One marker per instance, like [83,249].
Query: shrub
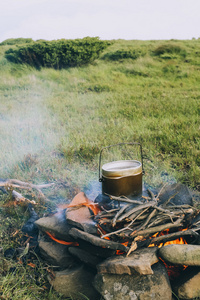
[16,41]
[124,54]
[58,54]
[168,51]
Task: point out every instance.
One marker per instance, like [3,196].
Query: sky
[107,19]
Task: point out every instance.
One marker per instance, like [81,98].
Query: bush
[168,51]
[16,41]
[124,54]
[58,54]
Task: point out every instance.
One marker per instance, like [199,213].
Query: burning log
[174,236]
[94,240]
[150,231]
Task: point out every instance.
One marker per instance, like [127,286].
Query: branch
[155,229]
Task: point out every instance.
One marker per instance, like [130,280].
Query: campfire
[105,247]
[112,234]
[133,223]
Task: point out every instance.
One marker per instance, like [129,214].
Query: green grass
[75,112]
[55,122]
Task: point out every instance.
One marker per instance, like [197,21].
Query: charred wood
[94,240]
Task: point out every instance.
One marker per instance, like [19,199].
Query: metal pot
[122,177]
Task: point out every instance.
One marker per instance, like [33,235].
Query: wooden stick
[124,199]
[119,213]
[124,228]
[97,217]
[152,214]
[161,220]
[140,207]
[19,198]
[14,183]
[97,241]
[157,197]
[164,204]
[150,231]
[181,206]
[107,210]
[151,194]
[23,184]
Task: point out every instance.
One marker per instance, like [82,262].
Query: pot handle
[133,143]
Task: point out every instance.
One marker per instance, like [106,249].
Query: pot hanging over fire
[122,177]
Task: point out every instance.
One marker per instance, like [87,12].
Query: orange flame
[61,241]
[102,232]
[178,241]
[119,252]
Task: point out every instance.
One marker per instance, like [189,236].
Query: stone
[94,250]
[57,225]
[104,201]
[179,192]
[79,214]
[132,287]
[56,254]
[75,283]
[188,287]
[85,256]
[140,261]
[185,254]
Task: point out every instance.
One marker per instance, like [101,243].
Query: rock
[188,287]
[140,261]
[29,227]
[188,255]
[104,201]
[85,256]
[179,192]
[141,287]
[79,215]
[95,250]
[55,253]
[75,283]
[56,225]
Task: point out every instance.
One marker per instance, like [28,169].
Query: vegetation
[55,122]
[58,54]
[124,54]
[169,50]
[16,41]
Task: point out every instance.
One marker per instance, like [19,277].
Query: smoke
[27,127]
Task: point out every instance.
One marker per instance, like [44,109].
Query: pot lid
[121,168]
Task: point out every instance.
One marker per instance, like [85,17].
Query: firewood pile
[148,221]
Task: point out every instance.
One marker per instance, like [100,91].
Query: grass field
[55,122]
